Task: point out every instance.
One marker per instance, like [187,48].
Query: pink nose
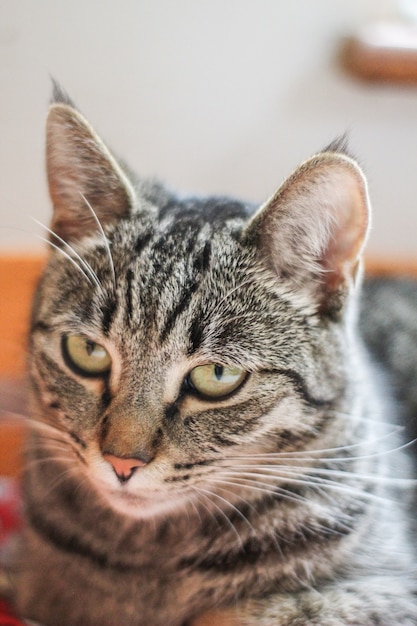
[124,468]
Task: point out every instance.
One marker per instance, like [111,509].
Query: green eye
[85,357]
[216,381]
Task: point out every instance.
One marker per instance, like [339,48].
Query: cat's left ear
[312,231]
[84,178]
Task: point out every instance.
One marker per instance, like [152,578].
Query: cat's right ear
[312,231]
[85,180]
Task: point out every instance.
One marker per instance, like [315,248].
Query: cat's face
[185,337]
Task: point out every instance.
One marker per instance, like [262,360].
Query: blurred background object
[213,96]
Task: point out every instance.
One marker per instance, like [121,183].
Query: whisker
[368,420]
[66,255]
[44,461]
[13,416]
[310,454]
[59,480]
[261,487]
[298,499]
[105,240]
[274,471]
[313,481]
[206,494]
[89,272]
[201,503]
[227,502]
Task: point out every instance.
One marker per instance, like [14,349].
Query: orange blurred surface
[18,278]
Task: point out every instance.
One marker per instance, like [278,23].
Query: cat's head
[171,336]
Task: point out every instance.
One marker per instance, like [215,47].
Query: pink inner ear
[341,255]
[312,231]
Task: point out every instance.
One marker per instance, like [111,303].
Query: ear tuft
[59,95]
[312,231]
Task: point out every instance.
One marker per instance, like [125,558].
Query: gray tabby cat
[210,442]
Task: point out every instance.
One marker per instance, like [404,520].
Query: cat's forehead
[180,228]
[200,218]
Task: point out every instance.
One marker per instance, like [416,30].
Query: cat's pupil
[218,371]
[90,346]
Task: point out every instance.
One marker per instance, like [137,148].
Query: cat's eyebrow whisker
[89,273]
[103,234]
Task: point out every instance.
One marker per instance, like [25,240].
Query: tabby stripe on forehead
[109,311]
[181,306]
[200,265]
[202,261]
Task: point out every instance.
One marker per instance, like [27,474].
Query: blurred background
[212,96]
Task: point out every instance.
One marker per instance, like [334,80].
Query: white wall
[222,96]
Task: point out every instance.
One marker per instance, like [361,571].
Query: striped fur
[278,505]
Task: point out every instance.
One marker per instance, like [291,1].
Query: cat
[211,442]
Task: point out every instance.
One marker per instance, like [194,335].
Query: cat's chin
[142,506]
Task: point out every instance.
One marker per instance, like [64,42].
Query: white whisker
[313,481]
[209,495]
[260,487]
[105,240]
[275,471]
[89,272]
[310,454]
